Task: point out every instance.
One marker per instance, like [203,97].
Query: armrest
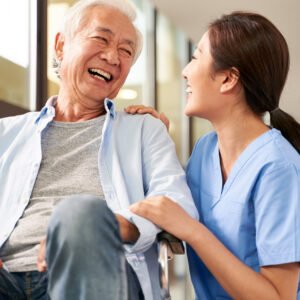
[174,243]
[168,246]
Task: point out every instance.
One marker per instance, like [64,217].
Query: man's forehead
[107,30]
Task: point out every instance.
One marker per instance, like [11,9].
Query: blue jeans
[85,258]
[23,285]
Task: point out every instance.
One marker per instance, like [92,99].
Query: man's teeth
[101,74]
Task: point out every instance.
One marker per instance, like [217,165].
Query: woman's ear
[230,81]
[59,45]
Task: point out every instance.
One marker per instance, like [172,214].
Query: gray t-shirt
[69,166]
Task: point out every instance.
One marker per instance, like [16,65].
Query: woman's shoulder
[204,147]
[207,141]
[280,149]
[271,153]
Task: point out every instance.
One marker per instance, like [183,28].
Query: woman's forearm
[240,281]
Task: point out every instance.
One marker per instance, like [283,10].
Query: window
[171,58]
[14,53]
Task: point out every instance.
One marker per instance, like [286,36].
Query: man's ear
[231,80]
[59,45]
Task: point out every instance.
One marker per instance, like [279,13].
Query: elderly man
[71,172]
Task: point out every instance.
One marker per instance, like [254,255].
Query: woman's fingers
[141,109]
[134,109]
[166,214]
[165,120]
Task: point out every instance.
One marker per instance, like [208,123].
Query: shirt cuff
[148,232]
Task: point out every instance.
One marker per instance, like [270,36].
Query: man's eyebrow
[104,29]
[107,30]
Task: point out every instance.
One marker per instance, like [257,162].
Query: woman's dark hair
[251,44]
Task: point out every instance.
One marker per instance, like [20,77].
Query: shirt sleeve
[147,230]
[162,175]
[277,207]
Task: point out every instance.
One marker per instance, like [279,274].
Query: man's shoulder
[145,120]
[19,120]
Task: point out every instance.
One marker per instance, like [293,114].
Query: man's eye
[126,52]
[101,39]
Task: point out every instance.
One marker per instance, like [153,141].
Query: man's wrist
[128,231]
[133,233]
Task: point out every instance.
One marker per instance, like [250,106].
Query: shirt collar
[48,111]
[110,107]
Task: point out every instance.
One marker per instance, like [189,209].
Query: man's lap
[33,285]
[23,285]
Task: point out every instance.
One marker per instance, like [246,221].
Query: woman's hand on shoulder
[141,109]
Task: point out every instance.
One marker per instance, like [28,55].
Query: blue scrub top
[256,214]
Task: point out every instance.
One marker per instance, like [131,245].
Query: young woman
[244,176]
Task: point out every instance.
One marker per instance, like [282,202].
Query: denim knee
[79,217]
[83,247]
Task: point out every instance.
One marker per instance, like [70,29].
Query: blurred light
[56,12]
[14,31]
[127,94]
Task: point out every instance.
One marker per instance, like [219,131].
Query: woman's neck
[234,136]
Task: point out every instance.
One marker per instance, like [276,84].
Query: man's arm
[162,175]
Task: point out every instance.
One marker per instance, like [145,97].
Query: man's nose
[111,55]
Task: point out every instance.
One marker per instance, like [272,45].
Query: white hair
[76,13]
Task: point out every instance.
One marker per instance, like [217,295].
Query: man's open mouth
[100,74]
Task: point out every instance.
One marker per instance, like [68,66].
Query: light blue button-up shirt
[255,214]
[137,160]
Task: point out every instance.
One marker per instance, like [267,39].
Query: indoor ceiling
[192,16]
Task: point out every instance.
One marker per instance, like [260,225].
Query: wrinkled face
[202,84]
[96,61]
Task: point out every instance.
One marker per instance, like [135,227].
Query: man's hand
[129,232]
[41,261]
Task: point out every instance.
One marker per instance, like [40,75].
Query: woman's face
[203,85]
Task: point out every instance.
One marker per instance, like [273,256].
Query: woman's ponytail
[288,126]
